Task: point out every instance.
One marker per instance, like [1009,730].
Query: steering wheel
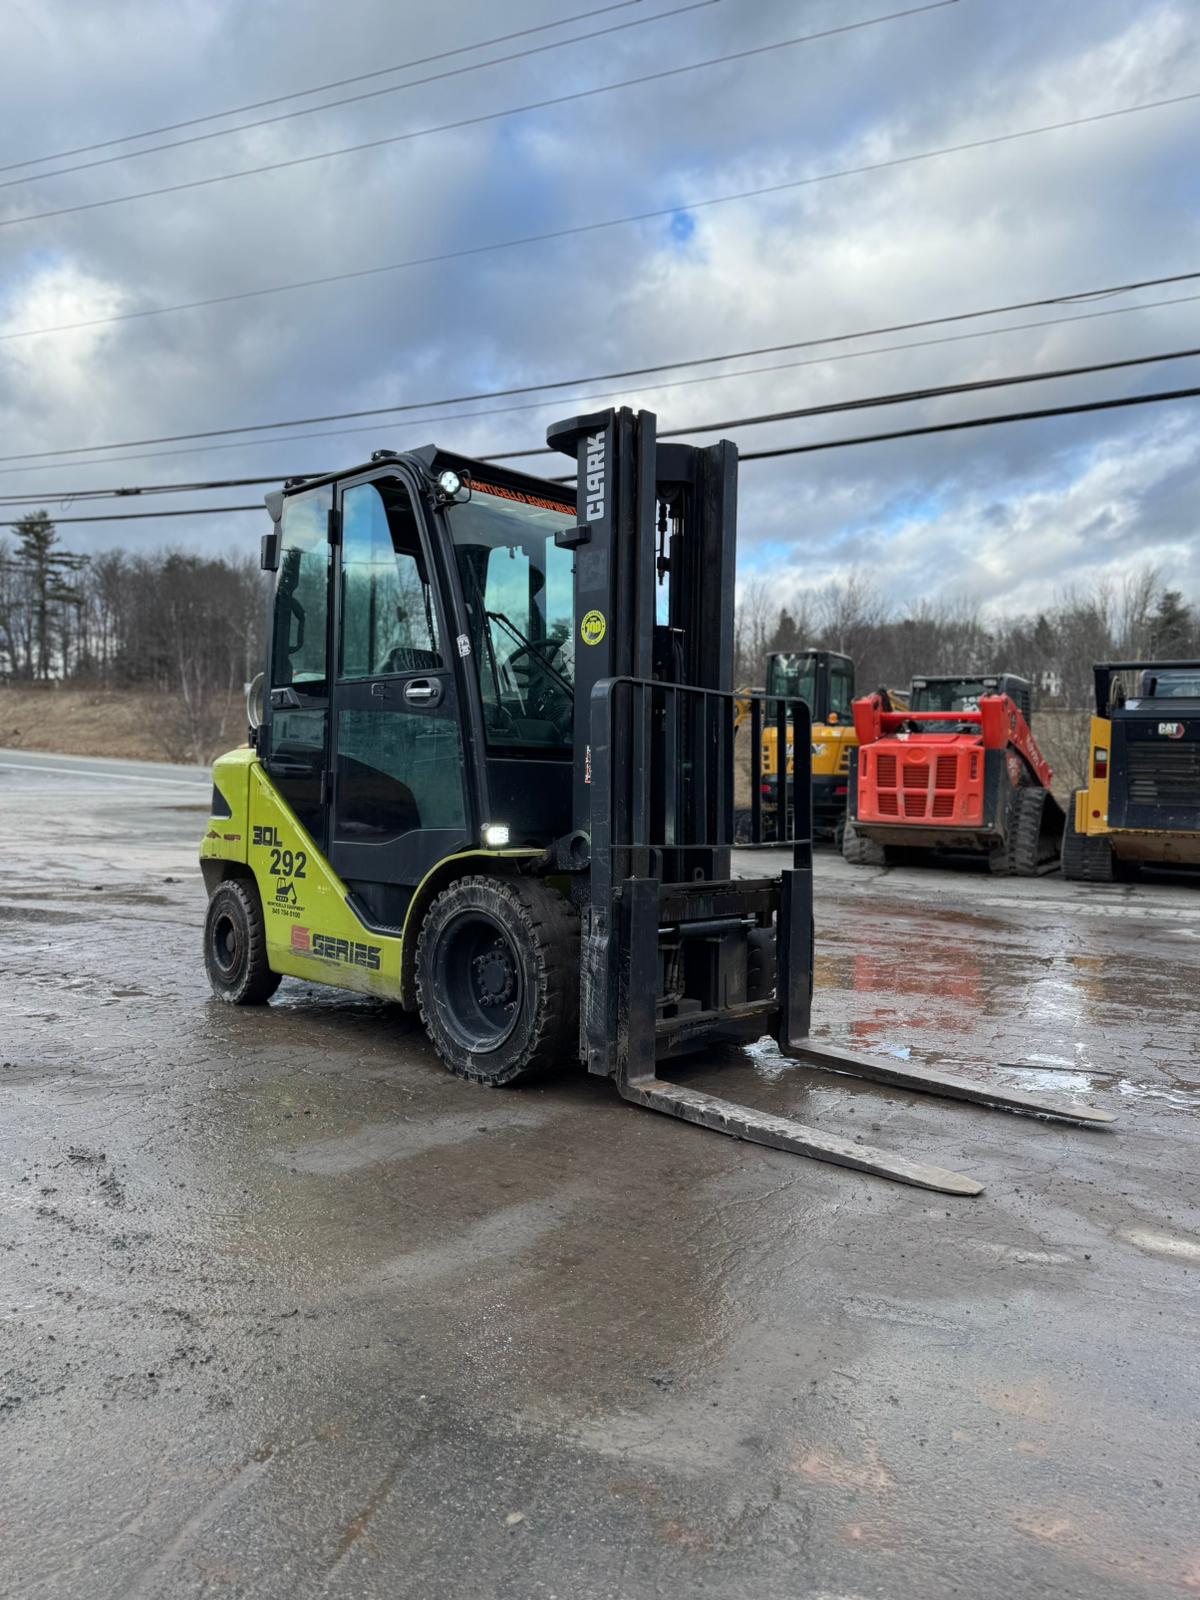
[544,696]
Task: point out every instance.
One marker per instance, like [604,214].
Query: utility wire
[368,94]
[1079,408]
[318,88]
[140,516]
[976,422]
[581,400]
[543,238]
[584,94]
[1075,297]
[897,398]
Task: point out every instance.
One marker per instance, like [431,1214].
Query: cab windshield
[793,677]
[961,694]
[1177,685]
[519,591]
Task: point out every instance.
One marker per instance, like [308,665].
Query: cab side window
[300,634]
[389,624]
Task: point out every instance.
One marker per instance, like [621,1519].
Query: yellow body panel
[1091,803]
[311,930]
[832,745]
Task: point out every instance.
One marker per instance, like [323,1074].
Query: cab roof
[429,460]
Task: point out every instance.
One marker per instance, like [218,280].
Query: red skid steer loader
[959,772]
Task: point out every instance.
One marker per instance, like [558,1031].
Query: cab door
[296,723]
[399,796]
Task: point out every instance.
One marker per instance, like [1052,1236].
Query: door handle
[423,692]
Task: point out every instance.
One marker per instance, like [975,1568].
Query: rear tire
[497,972]
[1086,858]
[235,946]
[861,851]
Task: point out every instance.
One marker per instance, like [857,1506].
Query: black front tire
[497,970]
[235,946]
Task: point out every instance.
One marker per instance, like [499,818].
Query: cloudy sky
[1007,515]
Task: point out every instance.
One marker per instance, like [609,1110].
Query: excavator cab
[824,680]
[493,780]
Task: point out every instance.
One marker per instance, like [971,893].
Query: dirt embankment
[89,722]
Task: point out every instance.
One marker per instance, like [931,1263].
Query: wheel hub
[478,979]
[495,976]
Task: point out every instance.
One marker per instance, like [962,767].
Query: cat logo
[1171,730]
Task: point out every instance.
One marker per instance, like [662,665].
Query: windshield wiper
[531,645]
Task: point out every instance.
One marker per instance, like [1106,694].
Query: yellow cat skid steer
[493,780]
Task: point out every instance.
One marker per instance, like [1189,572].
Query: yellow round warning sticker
[593,627]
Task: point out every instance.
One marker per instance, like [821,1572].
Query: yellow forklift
[1141,803]
[493,780]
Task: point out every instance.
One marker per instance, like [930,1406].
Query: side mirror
[268,557]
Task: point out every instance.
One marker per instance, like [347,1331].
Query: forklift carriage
[522,825]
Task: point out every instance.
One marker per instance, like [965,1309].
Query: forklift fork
[634,715]
[676,953]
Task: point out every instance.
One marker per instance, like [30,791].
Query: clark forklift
[958,772]
[1141,804]
[493,781]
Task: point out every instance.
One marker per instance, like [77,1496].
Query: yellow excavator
[824,680]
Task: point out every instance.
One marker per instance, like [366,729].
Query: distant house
[1050,684]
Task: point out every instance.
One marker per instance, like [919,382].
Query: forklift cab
[422,660]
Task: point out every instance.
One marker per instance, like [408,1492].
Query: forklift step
[929,1081]
[781,1133]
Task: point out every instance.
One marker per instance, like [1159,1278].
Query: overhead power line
[830,408]
[1000,420]
[368,94]
[897,398]
[1071,298]
[563,233]
[652,77]
[588,399]
[318,88]
[1077,409]
[142,516]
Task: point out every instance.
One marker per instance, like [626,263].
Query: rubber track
[859,851]
[1085,859]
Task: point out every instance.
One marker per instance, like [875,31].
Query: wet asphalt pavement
[288,1311]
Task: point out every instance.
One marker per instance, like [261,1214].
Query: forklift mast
[673,947]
